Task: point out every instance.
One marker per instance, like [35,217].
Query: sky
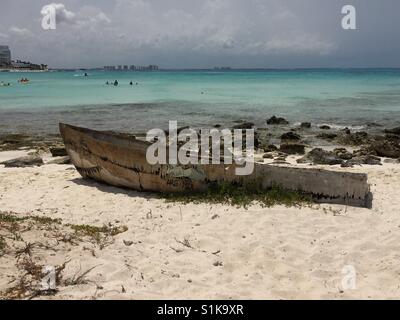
[203,33]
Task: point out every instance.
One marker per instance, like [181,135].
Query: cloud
[262,27]
[228,43]
[185,33]
[92,16]
[299,44]
[21,32]
[62,14]
[86,16]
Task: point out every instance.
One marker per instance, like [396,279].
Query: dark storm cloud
[192,33]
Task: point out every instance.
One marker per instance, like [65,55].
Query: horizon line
[228,68]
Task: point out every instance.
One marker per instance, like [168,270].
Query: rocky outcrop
[277,121]
[268,156]
[343,154]
[268,147]
[290,136]
[393,131]
[22,162]
[346,131]
[58,151]
[386,148]
[305,125]
[244,125]
[369,160]
[325,127]
[18,141]
[320,156]
[364,151]
[392,161]
[327,135]
[354,139]
[292,148]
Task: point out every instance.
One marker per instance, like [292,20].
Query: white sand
[266,253]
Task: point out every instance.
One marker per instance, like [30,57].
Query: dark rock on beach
[290,136]
[368,159]
[58,151]
[320,156]
[392,161]
[292,148]
[386,148]
[373,124]
[244,125]
[346,131]
[178,130]
[364,151]
[395,131]
[327,135]
[277,121]
[270,148]
[16,141]
[22,162]
[325,127]
[354,139]
[343,154]
[268,156]
[305,125]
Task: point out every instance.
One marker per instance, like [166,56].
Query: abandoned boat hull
[121,161]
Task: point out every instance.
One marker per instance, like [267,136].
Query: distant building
[223,68]
[24,65]
[5,56]
[153,67]
[131,68]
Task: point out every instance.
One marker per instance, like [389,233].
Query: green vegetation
[98,234]
[41,232]
[8,218]
[3,245]
[242,196]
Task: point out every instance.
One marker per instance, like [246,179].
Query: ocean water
[340,98]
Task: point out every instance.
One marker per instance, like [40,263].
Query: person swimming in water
[131,83]
[107,83]
[115,83]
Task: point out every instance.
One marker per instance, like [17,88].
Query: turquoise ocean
[354,98]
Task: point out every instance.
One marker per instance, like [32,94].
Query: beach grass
[242,196]
[10,218]
[97,233]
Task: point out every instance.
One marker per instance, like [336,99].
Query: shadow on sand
[103,187]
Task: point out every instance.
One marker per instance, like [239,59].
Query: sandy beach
[199,150]
[198,251]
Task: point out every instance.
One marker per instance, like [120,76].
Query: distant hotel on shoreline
[6,64]
[131,68]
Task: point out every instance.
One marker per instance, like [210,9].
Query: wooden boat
[120,160]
